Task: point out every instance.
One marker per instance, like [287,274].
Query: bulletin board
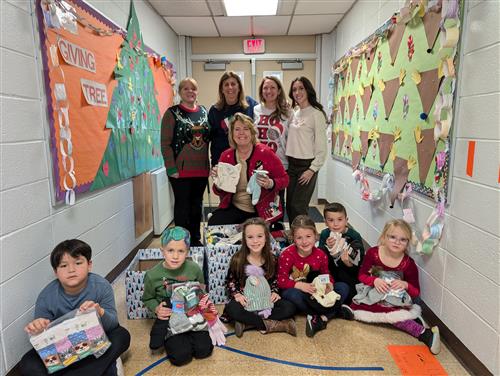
[106,93]
[394,95]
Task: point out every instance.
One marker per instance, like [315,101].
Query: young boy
[182,347]
[342,269]
[75,287]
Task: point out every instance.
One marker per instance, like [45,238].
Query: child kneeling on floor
[389,283]
[304,277]
[251,283]
[75,287]
[174,291]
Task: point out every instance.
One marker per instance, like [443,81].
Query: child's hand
[37,326]
[305,287]
[330,242]
[89,304]
[162,311]
[240,298]
[382,286]
[398,284]
[275,297]
[345,259]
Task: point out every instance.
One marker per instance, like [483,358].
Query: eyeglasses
[395,239]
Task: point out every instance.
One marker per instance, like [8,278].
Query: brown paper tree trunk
[363,135]
[341,141]
[385,144]
[395,38]
[356,158]
[400,177]
[342,108]
[334,141]
[389,94]
[425,149]
[352,104]
[428,88]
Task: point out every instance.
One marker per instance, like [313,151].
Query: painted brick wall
[30,225]
[460,281]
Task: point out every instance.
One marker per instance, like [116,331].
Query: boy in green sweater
[158,283]
[341,265]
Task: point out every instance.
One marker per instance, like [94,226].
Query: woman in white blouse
[305,147]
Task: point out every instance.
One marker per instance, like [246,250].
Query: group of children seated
[335,279]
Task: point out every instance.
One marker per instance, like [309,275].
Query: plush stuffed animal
[300,275]
[324,298]
[257,291]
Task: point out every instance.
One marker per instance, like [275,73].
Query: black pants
[181,348]
[32,365]
[188,193]
[283,309]
[298,195]
[229,216]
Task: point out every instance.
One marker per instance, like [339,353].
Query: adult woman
[251,156]
[231,100]
[184,143]
[306,146]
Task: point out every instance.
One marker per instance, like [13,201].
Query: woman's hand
[305,287]
[265,181]
[398,284]
[240,298]
[306,177]
[275,297]
[213,171]
[162,311]
[382,286]
[37,326]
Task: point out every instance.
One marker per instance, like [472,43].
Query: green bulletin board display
[393,97]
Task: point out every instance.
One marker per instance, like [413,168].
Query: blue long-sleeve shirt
[53,302]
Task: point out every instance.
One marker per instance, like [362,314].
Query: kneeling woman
[251,283]
[261,173]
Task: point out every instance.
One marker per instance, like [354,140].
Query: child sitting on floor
[251,283]
[302,268]
[343,246]
[171,288]
[75,287]
[389,282]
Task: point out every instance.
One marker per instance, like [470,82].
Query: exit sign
[254,46]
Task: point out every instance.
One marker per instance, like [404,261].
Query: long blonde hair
[399,223]
[221,102]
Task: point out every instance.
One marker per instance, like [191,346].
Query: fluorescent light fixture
[251,8]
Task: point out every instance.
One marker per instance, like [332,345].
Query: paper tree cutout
[367,96]
[356,158]
[428,88]
[384,144]
[354,67]
[363,135]
[352,105]
[395,38]
[425,151]
[348,145]
[389,94]
[334,140]
[400,177]
[134,116]
[431,21]
[341,141]
[370,57]
[342,108]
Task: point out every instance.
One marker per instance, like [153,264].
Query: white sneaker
[119,367]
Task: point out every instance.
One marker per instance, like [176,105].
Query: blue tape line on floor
[274,360]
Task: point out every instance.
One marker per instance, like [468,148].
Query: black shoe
[346,312]
[239,327]
[432,339]
[314,324]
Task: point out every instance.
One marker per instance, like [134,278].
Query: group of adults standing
[286,141]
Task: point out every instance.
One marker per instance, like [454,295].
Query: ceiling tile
[285,7]
[193,26]
[188,8]
[217,7]
[270,25]
[233,26]
[322,7]
[309,25]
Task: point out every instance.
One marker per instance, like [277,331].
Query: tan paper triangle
[431,21]
[341,141]
[367,96]
[334,141]
[425,149]
[352,105]
[395,38]
[370,56]
[342,108]
[389,94]
[354,67]
[356,157]
[385,144]
[400,177]
[363,135]
[428,88]
[348,145]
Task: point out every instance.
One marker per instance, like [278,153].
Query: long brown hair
[221,101]
[239,260]
[282,111]
[311,94]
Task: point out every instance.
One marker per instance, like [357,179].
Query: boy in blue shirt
[75,287]
[342,268]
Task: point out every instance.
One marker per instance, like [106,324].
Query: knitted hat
[257,290]
[326,300]
[175,233]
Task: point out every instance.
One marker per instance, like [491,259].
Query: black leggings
[181,348]
[229,216]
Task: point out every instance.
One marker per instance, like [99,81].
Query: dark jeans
[298,195]
[229,216]
[188,193]
[32,365]
[282,310]
[301,300]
